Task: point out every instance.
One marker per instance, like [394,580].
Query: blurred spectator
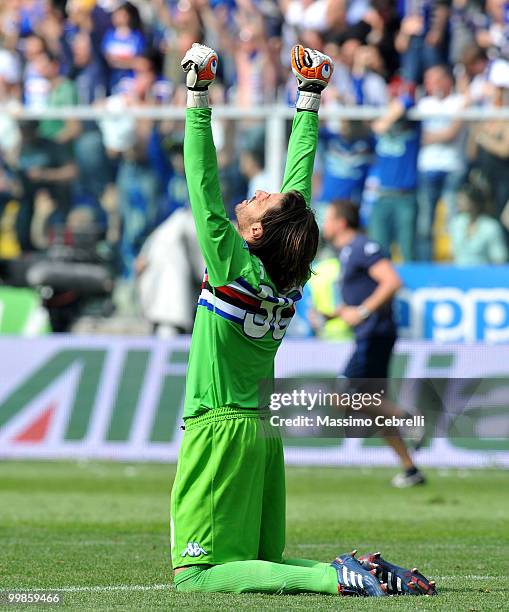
[88,17]
[138,145]
[35,86]
[423,40]
[344,154]
[393,177]
[10,141]
[62,92]
[170,266]
[161,24]
[252,166]
[91,80]
[382,24]
[490,141]
[441,161]
[464,16]
[358,75]
[177,195]
[472,75]
[21,18]
[246,51]
[52,30]
[477,239]
[10,76]
[319,15]
[123,42]
[256,72]
[89,72]
[492,35]
[42,165]
[10,137]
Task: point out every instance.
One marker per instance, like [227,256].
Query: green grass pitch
[99,531]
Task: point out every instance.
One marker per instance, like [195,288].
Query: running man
[369,283]
[228,498]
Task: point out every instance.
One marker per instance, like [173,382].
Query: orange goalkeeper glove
[200,64]
[313,71]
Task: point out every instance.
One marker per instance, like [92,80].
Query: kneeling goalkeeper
[228,498]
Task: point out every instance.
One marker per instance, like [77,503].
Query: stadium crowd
[120,180]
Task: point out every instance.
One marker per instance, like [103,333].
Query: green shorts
[228,498]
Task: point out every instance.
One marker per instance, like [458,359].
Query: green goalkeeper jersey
[241,317]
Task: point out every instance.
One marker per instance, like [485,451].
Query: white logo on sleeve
[370,248]
[193,549]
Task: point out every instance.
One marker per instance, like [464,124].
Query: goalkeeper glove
[200,64]
[313,71]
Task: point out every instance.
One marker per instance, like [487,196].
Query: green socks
[305,563]
[292,576]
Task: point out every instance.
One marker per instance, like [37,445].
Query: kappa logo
[193,549]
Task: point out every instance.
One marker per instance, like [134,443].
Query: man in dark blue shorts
[368,285]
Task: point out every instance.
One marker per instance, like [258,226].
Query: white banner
[122,398]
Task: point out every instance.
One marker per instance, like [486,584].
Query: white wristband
[197,98]
[308,100]
[364,312]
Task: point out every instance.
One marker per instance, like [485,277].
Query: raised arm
[222,247]
[313,71]
[301,154]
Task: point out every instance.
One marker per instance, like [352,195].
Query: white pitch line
[118,587]
[469,577]
[98,589]
[162,587]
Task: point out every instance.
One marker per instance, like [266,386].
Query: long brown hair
[289,242]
